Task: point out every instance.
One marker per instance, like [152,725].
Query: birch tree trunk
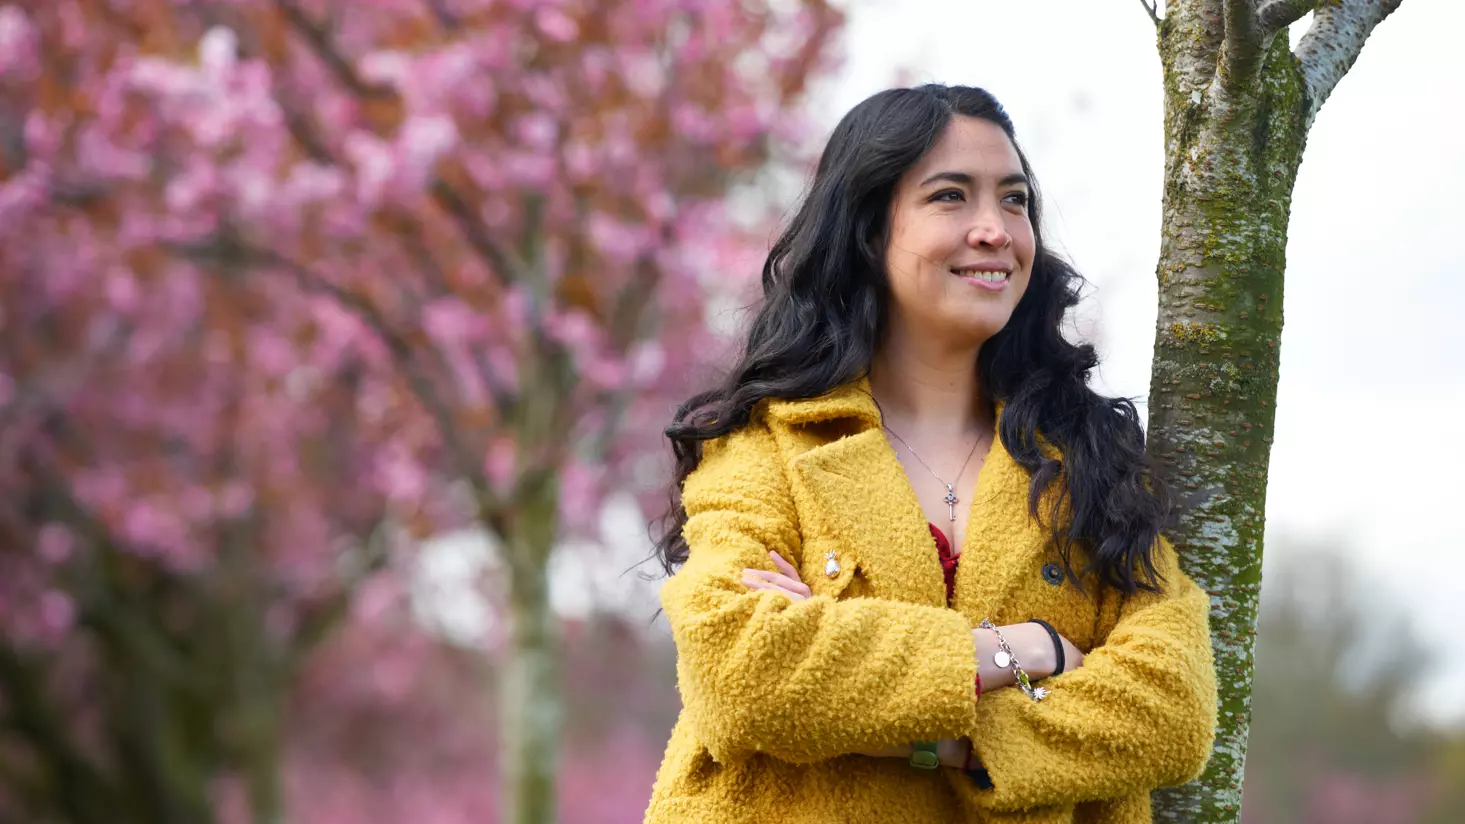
[1238,106]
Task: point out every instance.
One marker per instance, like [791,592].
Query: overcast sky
[1367,459]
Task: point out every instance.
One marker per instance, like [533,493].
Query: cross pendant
[951,501]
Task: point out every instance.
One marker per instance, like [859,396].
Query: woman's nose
[989,229]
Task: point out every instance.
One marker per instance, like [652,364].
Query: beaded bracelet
[1007,659]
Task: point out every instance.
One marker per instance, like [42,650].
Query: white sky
[1373,352]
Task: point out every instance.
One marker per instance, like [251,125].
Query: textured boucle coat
[777,694]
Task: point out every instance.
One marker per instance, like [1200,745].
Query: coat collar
[858,485]
[852,400]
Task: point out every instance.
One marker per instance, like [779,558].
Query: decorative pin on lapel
[831,566]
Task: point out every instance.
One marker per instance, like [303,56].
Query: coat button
[1053,573]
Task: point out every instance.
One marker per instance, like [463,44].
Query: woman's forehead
[976,148]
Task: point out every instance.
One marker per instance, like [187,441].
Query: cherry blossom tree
[287,286]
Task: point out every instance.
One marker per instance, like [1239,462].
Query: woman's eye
[1019,198]
[949,196]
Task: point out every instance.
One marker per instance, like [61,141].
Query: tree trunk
[530,714]
[1238,106]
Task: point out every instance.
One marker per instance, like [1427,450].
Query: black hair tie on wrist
[1057,643]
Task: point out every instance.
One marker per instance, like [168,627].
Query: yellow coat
[777,694]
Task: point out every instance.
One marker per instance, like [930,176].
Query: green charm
[923,755]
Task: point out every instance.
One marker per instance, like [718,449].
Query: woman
[905,470]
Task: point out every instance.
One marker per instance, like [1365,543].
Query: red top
[948,571]
[948,561]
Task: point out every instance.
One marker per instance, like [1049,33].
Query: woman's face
[961,245]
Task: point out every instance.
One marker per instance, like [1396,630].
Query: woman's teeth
[990,277]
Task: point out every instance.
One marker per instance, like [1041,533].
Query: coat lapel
[861,494]
[859,485]
[1003,545]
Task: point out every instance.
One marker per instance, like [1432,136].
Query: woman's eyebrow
[1014,179]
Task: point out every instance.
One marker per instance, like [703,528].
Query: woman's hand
[1072,656]
[786,580]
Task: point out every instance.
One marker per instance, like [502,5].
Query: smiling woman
[853,645]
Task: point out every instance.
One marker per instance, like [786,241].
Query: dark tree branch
[110,617]
[1331,46]
[319,38]
[508,266]
[445,17]
[1152,8]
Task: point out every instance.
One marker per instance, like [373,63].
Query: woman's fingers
[757,583]
[785,567]
[792,585]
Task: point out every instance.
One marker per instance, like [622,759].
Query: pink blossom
[580,492]
[603,372]
[556,25]
[57,613]
[388,67]
[423,141]
[18,53]
[538,131]
[615,241]
[400,477]
[54,544]
[217,51]
[646,362]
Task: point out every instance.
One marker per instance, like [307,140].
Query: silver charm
[1002,659]
[831,566]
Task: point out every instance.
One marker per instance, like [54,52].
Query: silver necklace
[950,499]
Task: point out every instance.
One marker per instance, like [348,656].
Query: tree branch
[319,39]
[1332,44]
[230,247]
[506,266]
[1241,50]
[324,617]
[1152,8]
[84,791]
[1275,15]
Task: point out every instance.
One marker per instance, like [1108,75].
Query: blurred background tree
[1332,736]
[290,286]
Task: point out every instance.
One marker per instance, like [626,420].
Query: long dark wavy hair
[825,302]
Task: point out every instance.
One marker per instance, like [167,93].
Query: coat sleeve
[801,681]
[1139,714]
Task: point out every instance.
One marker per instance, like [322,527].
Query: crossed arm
[811,678]
[1031,643]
